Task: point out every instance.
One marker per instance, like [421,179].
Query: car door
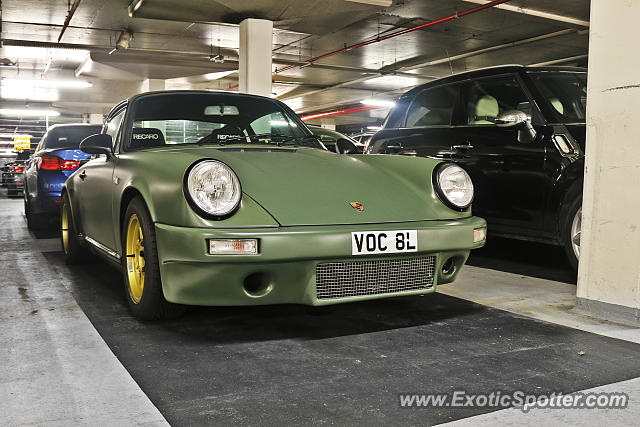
[94,191]
[424,127]
[508,175]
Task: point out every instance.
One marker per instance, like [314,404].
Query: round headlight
[213,188]
[453,185]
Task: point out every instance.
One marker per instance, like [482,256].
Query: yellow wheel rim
[135,258]
[64,228]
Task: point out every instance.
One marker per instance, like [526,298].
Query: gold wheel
[135,258]
[64,228]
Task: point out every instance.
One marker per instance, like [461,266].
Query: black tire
[34,221]
[151,304]
[12,193]
[566,229]
[74,252]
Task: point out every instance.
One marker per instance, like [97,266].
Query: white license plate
[384,242]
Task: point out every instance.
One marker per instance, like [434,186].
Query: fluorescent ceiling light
[383,103]
[374,127]
[219,74]
[134,6]
[27,112]
[43,53]
[28,93]
[30,83]
[391,80]
[15,135]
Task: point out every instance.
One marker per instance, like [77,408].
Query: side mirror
[100,143]
[517,119]
[344,146]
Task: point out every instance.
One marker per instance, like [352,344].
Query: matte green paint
[296,201]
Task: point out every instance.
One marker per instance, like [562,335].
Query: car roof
[183,92]
[197,92]
[491,71]
[64,125]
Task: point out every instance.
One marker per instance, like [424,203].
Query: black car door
[422,126]
[508,175]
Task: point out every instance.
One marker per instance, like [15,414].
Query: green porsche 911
[216,198]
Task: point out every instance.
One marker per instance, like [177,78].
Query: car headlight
[453,185]
[213,188]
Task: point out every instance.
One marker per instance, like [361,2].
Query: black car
[13,176]
[518,131]
[335,141]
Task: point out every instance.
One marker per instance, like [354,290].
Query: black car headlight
[453,185]
[212,188]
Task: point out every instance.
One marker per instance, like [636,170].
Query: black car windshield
[214,118]
[68,137]
[565,93]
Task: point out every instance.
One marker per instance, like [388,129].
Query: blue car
[56,157]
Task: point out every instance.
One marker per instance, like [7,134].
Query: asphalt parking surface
[343,364]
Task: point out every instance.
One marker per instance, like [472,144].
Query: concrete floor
[72,354]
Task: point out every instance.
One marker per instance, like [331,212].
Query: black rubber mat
[345,364]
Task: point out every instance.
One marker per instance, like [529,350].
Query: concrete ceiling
[174,39]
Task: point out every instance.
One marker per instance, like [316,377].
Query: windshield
[565,93]
[68,137]
[214,118]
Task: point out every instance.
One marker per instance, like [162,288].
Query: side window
[113,125]
[487,98]
[433,107]
[274,123]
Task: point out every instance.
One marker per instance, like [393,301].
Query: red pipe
[398,33]
[75,5]
[339,112]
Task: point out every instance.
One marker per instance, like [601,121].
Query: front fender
[160,184]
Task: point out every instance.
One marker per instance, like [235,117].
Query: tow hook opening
[257,284]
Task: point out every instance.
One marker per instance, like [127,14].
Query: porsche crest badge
[358,206]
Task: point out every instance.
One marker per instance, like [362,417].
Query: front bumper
[285,269]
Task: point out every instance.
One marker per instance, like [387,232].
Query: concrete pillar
[609,274]
[150,85]
[255,56]
[95,119]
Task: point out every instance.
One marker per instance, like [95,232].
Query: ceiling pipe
[339,112]
[379,38]
[560,60]
[538,13]
[75,5]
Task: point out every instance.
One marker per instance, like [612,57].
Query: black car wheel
[74,253]
[34,221]
[571,229]
[140,267]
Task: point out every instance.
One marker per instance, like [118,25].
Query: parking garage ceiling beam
[391,69]
[203,55]
[533,12]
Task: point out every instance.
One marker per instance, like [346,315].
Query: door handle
[82,175]
[462,147]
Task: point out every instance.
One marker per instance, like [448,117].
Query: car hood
[307,186]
